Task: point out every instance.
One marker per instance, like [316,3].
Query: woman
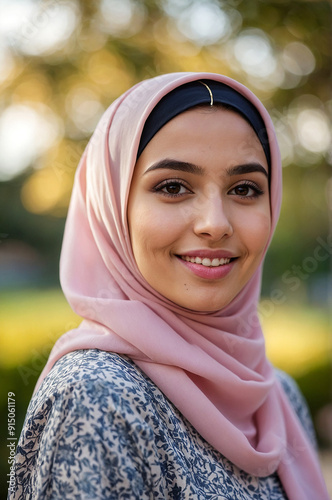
[164,390]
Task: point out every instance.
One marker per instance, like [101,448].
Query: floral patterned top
[98,428]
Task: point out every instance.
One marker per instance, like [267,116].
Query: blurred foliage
[280,49]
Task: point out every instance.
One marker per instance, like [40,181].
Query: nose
[211,218]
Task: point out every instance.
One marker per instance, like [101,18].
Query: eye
[172,188]
[247,190]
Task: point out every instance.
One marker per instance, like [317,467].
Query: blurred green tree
[65,62]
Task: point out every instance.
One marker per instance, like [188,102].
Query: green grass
[30,323]
[297,338]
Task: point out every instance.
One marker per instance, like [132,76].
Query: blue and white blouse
[98,428]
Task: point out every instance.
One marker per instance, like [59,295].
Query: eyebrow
[170,164]
[247,168]
[191,168]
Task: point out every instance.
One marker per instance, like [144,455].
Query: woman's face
[199,212]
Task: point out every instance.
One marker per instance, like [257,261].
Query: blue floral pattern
[98,428]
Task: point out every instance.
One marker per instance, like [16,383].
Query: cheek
[152,231]
[254,231]
[258,230]
[140,230]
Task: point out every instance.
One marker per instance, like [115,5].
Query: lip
[208,273]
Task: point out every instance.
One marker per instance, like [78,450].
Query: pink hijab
[211,366]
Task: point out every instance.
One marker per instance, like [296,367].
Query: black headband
[202,92]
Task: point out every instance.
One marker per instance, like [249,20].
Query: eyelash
[159,189]
[257,190]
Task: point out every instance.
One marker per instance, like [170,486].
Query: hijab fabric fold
[211,366]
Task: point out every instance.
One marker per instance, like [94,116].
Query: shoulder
[102,381]
[87,420]
[297,402]
[93,365]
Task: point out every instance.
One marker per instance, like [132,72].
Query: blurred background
[61,65]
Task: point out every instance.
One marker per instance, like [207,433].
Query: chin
[208,308]
[203,306]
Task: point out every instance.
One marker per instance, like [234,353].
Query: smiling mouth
[206,262]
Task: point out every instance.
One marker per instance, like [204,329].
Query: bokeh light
[25,133]
[204,23]
[313,130]
[38,29]
[121,17]
[298,59]
[84,108]
[7,63]
[253,50]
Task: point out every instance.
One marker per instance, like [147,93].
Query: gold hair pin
[210,92]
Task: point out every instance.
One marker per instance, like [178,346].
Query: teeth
[206,262]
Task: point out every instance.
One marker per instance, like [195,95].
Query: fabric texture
[211,366]
[192,94]
[100,429]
